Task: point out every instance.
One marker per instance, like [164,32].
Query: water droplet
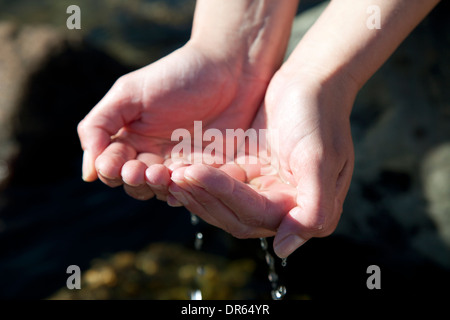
[200,270]
[269,260]
[194,219]
[279,293]
[196,295]
[273,277]
[198,241]
[264,245]
[4,170]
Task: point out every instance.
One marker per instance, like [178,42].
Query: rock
[49,81]
[21,53]
[163,271]
[436,178]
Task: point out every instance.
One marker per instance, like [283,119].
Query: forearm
[251,35]
[341,45]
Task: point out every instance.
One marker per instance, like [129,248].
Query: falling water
[198,241]
[278,291]
[196,294]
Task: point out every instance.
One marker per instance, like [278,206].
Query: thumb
[105,120]
[93,141]
[315,213]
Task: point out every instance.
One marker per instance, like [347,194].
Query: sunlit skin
[224,76]
[309,100]
[148,105]
[315,168]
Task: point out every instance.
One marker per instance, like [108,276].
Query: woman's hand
[308,103]
[313,156]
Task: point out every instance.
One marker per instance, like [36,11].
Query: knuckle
[161,196]
[203,198]
[102,165]
[138,193]
[121,83]
[339,207]
[332,223]
[205,201]
[242,232]
[316,222]
[326,231]
[112,183]
[253,221]
[322,224]
[81,127]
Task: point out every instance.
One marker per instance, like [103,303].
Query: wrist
[238,56]
[250,36]
[224,57]
[317,82]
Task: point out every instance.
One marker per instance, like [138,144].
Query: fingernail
[180,197]
[173,202]
[156,186]
[289,244]
[86,166]
[180,183]
[194,181]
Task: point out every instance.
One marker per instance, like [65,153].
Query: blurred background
[396,215]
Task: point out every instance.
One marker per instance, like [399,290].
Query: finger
[344,179]
[172,201]
[109,164]
[142,192]
[104,121]
[157,176]
[290,235]
[178,195]
[244,168]
[252,167]
[133,176]
[235,171]
[93,140]
[133,173]
[316,214]
[213,211]
[251,207]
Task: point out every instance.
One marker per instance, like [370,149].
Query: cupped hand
[314,160]
[126,137]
